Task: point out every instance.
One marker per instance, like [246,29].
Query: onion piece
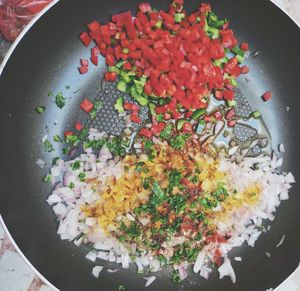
[149,280]
[226,270]
[96,271]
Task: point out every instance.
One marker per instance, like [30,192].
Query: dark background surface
[47,60]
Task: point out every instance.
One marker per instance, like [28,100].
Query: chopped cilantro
[160,117]
[40,109]
[75,166]
[54,161]
[47,146]
[50,93]
[175,276]
[57,138]
[71,185]
[60,100]
[179,141]
[47,178]
[167,132]
[81,176]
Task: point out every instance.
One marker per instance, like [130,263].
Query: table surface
[16,275]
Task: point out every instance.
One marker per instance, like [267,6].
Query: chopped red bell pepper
[78,126]
[94,26]
[267,96]
[231,123]
[135,118]
[146,132]
[84,62]
[218,115]
[219,94]
[230,113]
[94,60]
[228,95]
[85,38]
[245,70]
[110,76]
[68,133]
[127,66]
[244,46]
[145,7]
[110,60]
[83,69]
[157,128]
[187,127]
[86,105]
[135,108]
[127,105]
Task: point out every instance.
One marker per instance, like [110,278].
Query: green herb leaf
[60,100]
[40,109]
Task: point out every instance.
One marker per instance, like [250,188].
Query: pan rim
[2,66]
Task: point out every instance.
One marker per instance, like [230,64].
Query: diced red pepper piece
[68,133]
[231,123]
[219,94]
[94,60]
[135,107]
[127,66]
[146,132]
[78,126]
[167,116]
[85,38]
[245,70]
[84,62]
[187,127]
[110,60]
[267,96]
[207,118]
[157,128]
[135,118]
[244,46]
[218,115]
[127,105]
[95,51]
[228,95]
[176,115]
[86,105]
[94,26]
[110,76]
[145,7]
[230,113]
[83,69]
[204,7]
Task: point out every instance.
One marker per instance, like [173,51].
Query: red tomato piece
[86,105]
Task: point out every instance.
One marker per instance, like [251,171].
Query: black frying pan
[46,60]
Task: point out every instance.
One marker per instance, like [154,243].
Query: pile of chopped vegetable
[170,61]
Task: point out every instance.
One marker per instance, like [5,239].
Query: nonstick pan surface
[47,59]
